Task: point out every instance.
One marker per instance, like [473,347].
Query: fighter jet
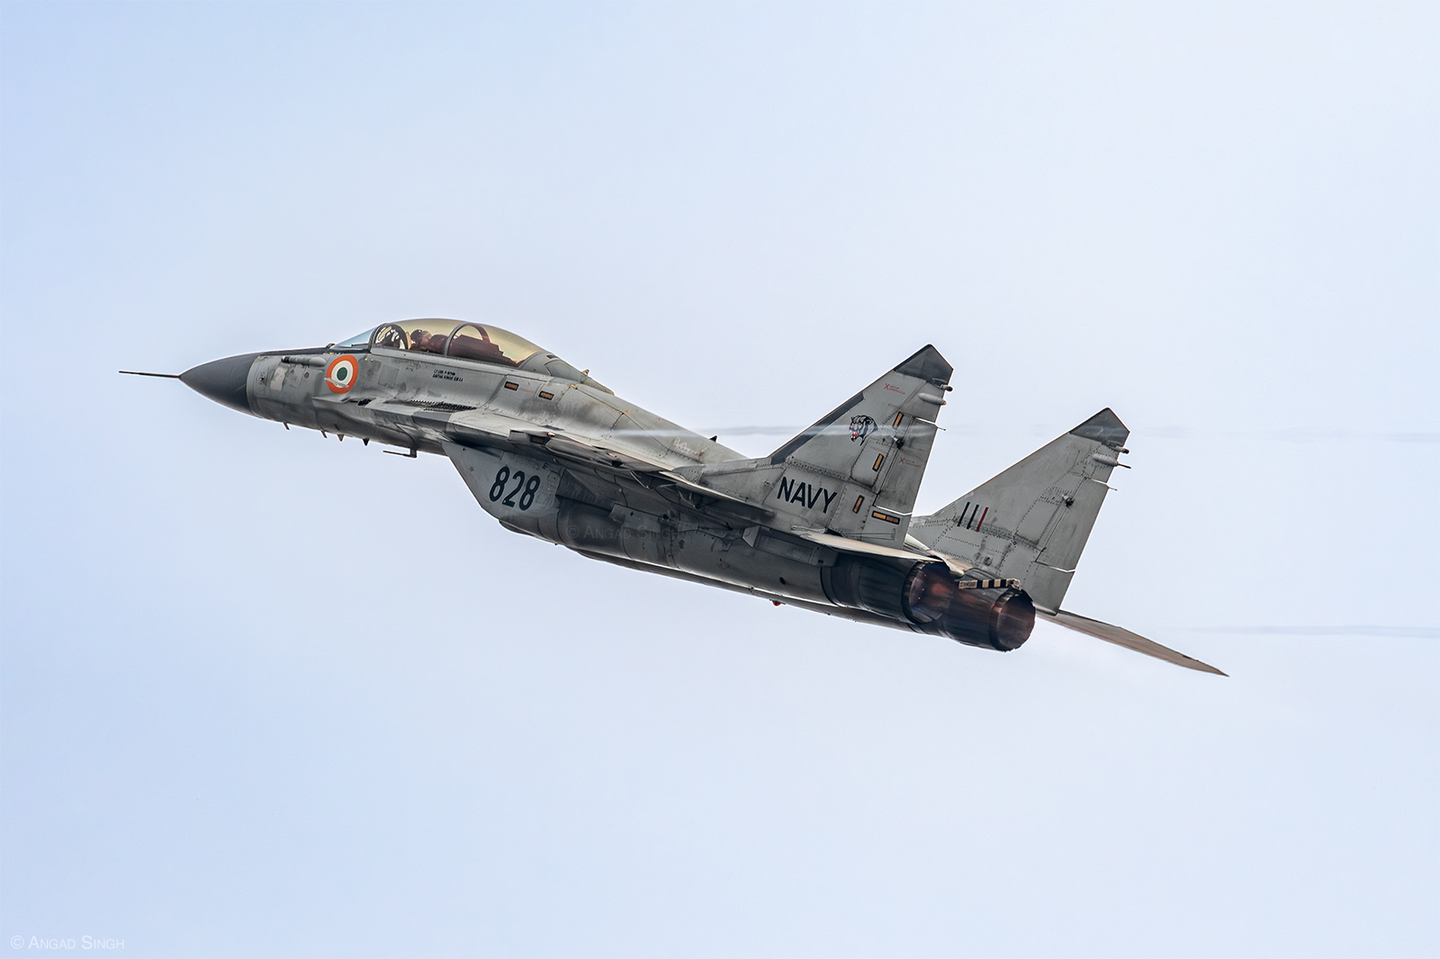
[825,523]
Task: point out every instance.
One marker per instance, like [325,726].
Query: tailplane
[1123,637]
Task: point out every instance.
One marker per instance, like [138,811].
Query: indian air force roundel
[340,375]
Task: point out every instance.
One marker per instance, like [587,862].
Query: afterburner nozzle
[937,599]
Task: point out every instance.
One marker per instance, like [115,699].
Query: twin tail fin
[1031,521]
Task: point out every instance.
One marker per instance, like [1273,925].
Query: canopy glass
[468,341]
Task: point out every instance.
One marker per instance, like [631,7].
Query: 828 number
[525,489]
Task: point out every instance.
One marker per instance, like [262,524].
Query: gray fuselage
[553,454]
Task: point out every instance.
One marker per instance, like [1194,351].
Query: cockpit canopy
[467,341]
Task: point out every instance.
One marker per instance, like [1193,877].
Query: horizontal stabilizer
[1123,637]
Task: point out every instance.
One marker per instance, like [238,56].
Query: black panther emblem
[860,427]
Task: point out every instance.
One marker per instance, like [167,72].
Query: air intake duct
[931,599]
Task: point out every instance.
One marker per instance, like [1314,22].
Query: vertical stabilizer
[1032,521]
[872,449]
[856,472]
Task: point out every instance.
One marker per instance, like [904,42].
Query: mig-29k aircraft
[824,523]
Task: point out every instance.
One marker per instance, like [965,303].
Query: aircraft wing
[1123,637]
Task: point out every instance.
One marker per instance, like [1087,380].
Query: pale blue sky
[263,694]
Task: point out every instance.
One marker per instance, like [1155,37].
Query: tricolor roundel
[340,374]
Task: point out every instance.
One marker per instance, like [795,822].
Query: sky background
[267,694]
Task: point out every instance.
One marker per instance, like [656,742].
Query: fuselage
[552,453]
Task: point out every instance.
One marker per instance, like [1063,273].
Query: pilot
[429,342]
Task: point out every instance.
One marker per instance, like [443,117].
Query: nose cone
[223,380]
